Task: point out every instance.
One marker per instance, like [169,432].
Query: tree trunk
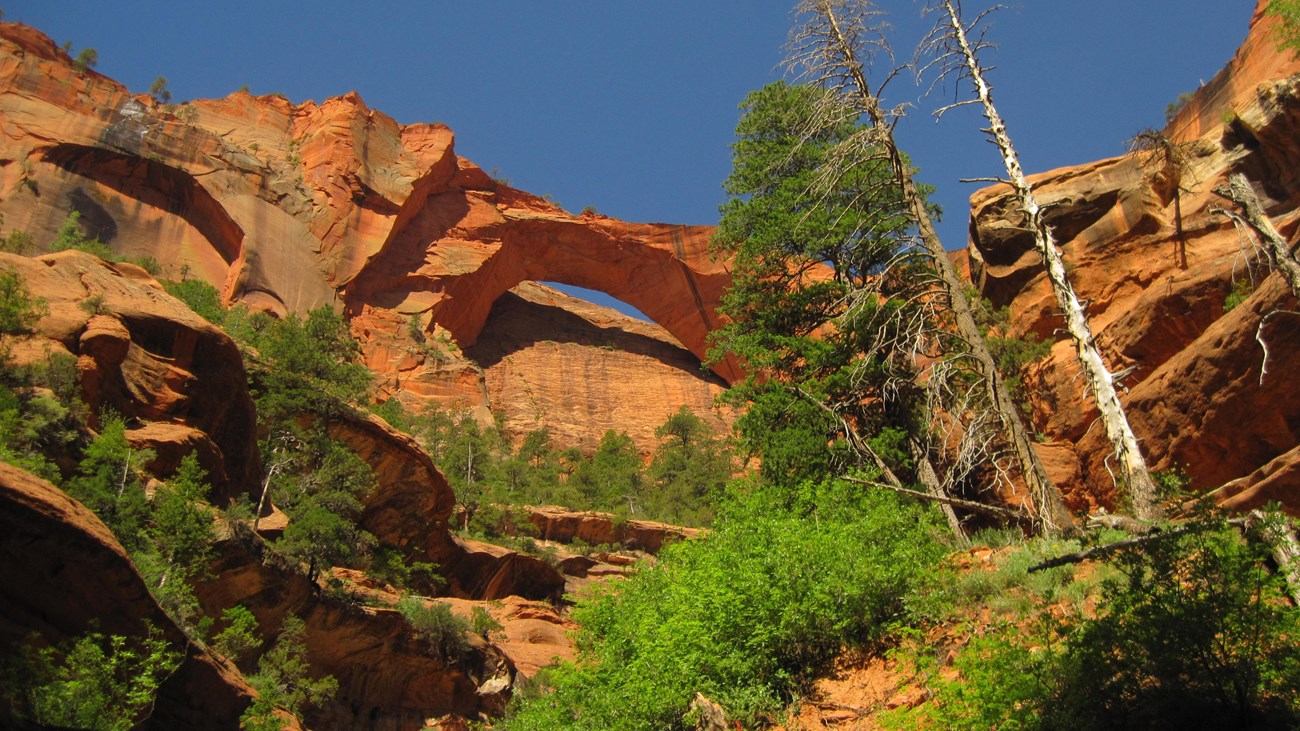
[930,479]
[1133,473]
[1052,513]
[1238,191]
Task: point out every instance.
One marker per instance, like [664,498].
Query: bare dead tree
[1252,216]
[956,46]
[1156,150]
[834,44]
[283,457]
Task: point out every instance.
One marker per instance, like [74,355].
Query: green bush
[481,621]
[95,681]
[746,616]
[238,640]
[434,621]
[283,680]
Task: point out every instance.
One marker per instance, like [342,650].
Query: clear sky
[630,105]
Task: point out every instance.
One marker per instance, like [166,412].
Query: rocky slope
[287,207]
[1197,395]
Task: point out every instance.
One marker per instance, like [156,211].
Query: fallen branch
[970,505]
[1095,551]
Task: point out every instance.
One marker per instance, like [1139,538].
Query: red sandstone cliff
[288,207]
[1196,395]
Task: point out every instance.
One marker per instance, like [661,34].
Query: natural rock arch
[467,248]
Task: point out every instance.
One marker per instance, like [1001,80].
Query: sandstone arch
[465,250]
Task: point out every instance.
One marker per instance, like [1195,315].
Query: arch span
[462,252]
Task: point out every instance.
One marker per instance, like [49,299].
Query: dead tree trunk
[1133,473]
[832,56]
[1281,257]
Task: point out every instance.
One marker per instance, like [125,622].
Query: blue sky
[631,106]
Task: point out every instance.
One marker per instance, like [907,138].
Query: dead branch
[1280,255]
[971,505]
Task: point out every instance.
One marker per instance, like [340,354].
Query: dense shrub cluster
[745,616]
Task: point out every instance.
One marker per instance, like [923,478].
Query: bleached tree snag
[831,47]
[1277,531]
[1280,255]
[955,43]
[1096,551]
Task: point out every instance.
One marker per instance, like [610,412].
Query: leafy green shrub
[1241,291]
[238,640]
[283,679]
[70,236]
[435,622]
[199,296]
[148,263]
[388,565]
[481,621]
[95,681]
[745,616]
[18,242]
[18,310]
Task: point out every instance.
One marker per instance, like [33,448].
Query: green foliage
[159,91]
[108,481]
[33,427]
[816,346]
[1242,289]
[199,296]
[1288,11]
[310,365]
[435,622]
[389,566]
[612,478]
[322,497]
[18,311]
[176,545]
[1193,634]
[746,615]
[95,681]
[481,621]
[148,263]
[88,58]
[689,470]
[18,242]
[1010,354]
[238,640]
[71,236]
[283,680]
[1176,106]
[1172,484]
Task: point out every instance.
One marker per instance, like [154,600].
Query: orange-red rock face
[288,207]
[577,369]
[1193,373]
[147,357]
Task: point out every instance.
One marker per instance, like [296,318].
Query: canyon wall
[286,207]
[1194,379]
